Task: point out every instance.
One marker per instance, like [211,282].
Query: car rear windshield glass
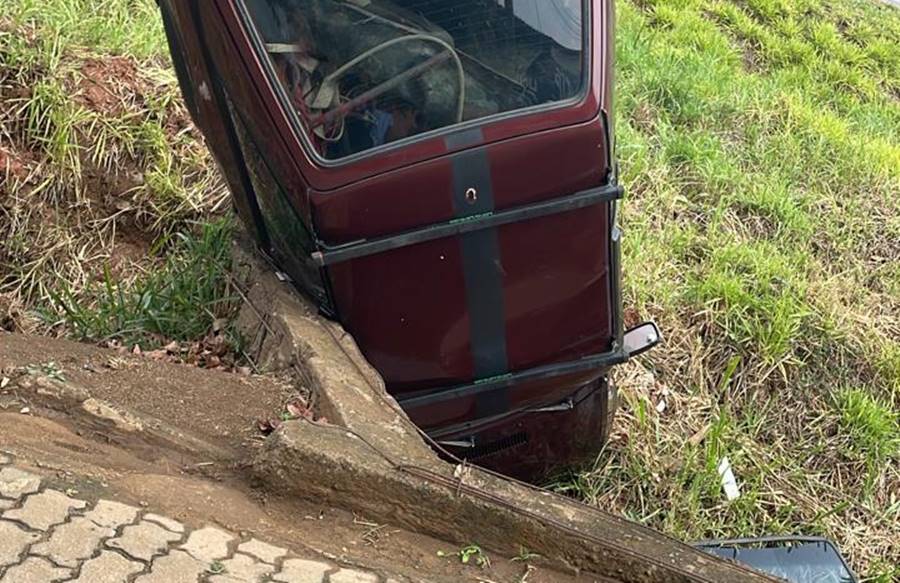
[364,73]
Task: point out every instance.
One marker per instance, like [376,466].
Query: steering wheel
[328,90]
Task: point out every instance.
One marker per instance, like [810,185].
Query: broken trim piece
[364,247]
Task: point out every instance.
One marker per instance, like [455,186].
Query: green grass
[760,145]
[873,428]
[180,300]
[109,183]
[105,26]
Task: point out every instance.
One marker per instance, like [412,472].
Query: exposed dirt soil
[216,407]
[223,407]
[107,85]
[14,164]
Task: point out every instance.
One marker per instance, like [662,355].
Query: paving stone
[34,570]
[242,568]
[14,483]
[208,544]
[352,576]
[143,540]
[176,567]
[72,542]
[263,551]
[13,542]
[109,567]
[166,523]
[41,511]
[302,571]
[112,514]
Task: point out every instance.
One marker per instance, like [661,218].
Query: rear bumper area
[531,444]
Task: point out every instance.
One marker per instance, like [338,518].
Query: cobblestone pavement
[48,536]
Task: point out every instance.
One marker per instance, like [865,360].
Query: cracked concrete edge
[383,469]
[286,332]
[76,401]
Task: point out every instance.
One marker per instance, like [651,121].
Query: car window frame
[302,134]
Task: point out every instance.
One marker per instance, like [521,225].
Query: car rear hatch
[450,167]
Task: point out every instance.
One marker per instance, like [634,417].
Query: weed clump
[180,300]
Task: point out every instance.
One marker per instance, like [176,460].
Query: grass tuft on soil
[106,188]
[181,299]
[758,142]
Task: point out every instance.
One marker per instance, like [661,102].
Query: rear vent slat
[495,447]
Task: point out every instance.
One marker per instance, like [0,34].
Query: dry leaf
[297,409]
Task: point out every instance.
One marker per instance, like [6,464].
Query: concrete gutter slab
[372,459]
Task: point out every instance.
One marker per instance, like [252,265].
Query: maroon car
[438,176]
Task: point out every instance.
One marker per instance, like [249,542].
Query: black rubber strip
[571,401]
[473,196]
[464,139]
[487,220]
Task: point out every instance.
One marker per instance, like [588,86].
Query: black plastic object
[794,559]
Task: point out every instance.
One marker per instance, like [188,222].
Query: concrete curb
[371,459]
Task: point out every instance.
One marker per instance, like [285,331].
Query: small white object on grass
[729,483]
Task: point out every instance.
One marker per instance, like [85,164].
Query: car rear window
[361,74]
